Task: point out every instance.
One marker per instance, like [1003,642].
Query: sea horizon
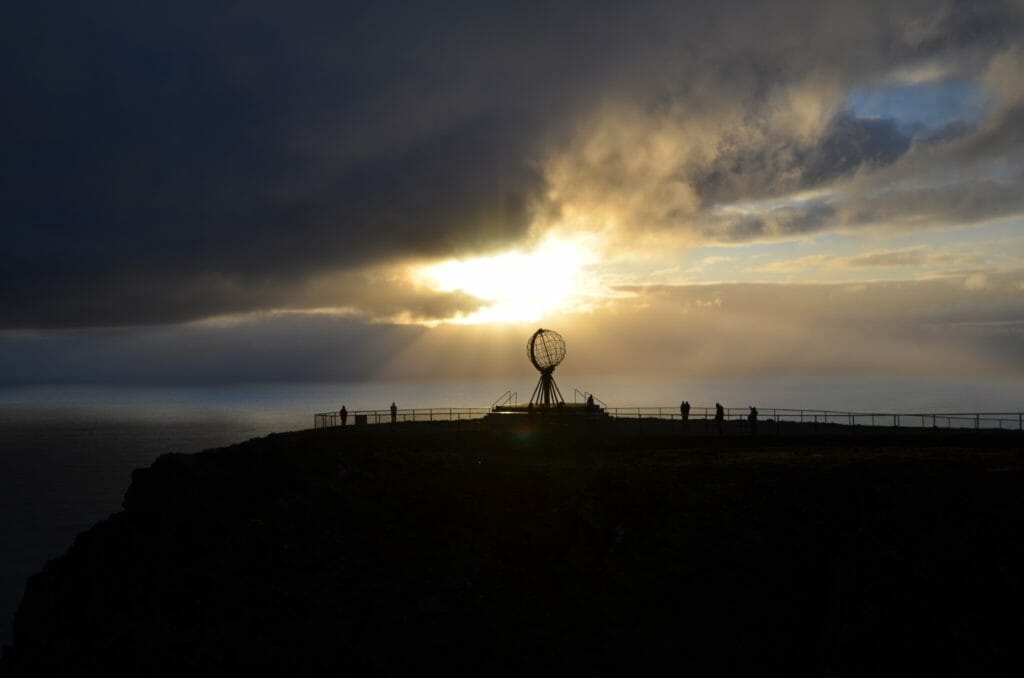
[285,402]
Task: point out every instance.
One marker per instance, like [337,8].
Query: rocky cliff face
[517,554]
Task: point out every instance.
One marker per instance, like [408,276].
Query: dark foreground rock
[521,553]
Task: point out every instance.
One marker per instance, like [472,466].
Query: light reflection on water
[67,452]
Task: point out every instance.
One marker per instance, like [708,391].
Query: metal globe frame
[546,350]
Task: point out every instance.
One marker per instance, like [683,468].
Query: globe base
[546,394]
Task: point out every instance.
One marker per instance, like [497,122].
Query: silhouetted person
[590,401]
[719,417]
[752,420]
[343,414]
[394,413]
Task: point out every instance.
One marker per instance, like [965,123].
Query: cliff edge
[517,553]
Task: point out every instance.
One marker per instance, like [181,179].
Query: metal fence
[329,419]
[766,416]
[972,420]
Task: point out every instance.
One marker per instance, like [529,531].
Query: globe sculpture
[546,350]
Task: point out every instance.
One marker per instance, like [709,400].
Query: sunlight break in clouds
[521,285]
[330,200]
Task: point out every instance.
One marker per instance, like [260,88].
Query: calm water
[66,453]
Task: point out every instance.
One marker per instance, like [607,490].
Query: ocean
[67,452]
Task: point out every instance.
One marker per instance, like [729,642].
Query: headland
[516,550]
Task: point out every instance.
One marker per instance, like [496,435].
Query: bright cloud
[519,285]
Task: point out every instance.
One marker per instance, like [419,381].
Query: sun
[521,285]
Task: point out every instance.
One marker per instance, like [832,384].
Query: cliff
[517,553]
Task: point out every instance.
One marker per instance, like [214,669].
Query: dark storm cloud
[788,220]
[964,24]
[847,144]
[174,298]
[967,202]
[169,161]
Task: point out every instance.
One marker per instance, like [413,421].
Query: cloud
[846,144]
[784,158]
[175,162]
[370,294]
[888,259]
[949,262]
[976,281]
[799,264]
[938,326]
[943,326]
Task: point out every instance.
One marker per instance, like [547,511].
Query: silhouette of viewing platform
[701,418]
[546,350]
[567,408]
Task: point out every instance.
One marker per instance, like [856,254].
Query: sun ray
[519,285]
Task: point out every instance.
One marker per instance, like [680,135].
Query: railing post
[977,422]
[1020,421]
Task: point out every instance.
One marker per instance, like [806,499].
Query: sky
[249,191]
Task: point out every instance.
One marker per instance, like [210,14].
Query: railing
[329,419]
[974,420]
[767,417]
[507,398]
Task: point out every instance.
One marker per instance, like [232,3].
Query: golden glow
[519,285]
